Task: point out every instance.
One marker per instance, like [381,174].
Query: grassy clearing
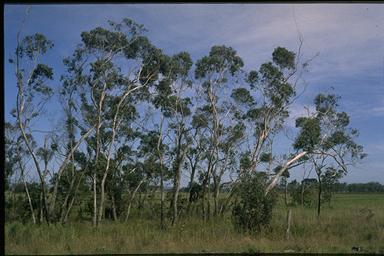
[353,220]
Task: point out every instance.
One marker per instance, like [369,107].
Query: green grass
[353,220]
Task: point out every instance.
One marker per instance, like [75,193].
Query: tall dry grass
[352,221]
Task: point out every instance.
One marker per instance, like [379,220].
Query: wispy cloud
[365,109]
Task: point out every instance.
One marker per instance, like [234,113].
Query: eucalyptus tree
[327,140]
[195,154]
[215,73]
[32,93]
[125,173]
[153,150]
[265,104]
[229,147]
[175,108]
[45,154]
[114,67]
[69,96]
[76,172]
[134,177]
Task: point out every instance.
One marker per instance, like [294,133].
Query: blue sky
[348,37]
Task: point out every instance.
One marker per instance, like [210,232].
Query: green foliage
[179,65]
[253,78]
[173,105]
[149,143]
[271,80]
[266,157]
[242,95]
[221,58]
[245,161]
[155,63]
[199,120]
[326,103]
[196,190]
[336,138]
[234,134]
[122,38]
[283,58]
[38,77]
[33,45]
[253,211]
[254,114]
[309,135]
[32,75]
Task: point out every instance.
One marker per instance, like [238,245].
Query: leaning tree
[327,141]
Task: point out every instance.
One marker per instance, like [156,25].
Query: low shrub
[253,210]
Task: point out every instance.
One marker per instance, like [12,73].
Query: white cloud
[377,111]
[364,110]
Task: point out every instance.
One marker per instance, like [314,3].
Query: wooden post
[288,232]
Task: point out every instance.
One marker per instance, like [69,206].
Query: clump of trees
[136,121]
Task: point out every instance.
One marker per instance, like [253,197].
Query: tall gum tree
[328,141]
[175,108]
[215,72]
[116,65]
[195,153]
[264,106]
[32,94]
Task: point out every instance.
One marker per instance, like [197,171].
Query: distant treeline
[369,187]
[359,187]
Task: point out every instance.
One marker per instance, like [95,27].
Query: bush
[254,210]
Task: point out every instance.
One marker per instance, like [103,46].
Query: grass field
[354,220]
